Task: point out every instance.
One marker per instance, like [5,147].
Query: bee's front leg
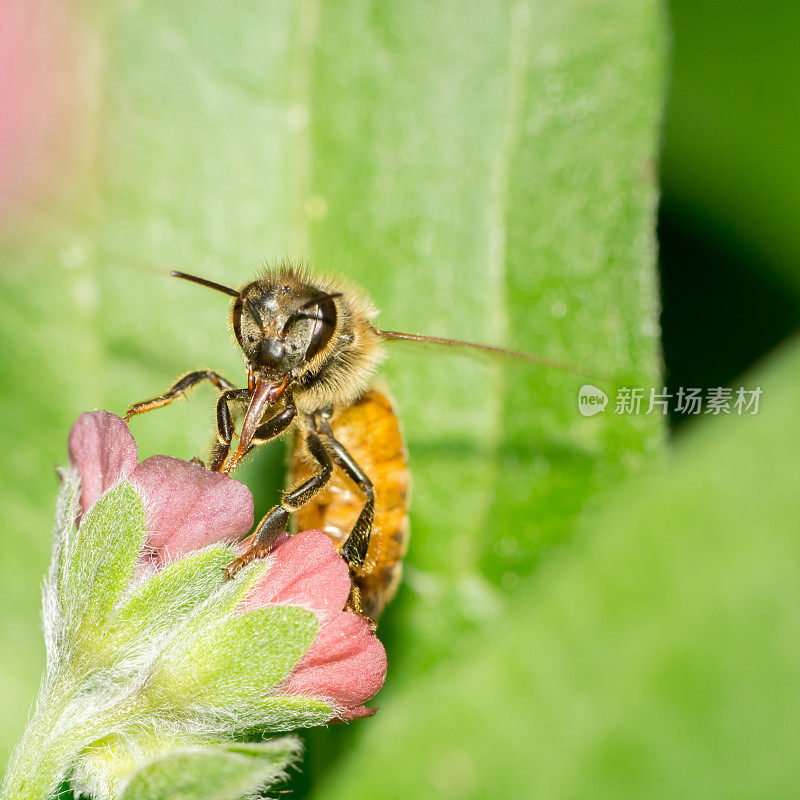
[271,429]
[225,426]
[179,389]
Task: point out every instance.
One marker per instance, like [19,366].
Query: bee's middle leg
[275,520]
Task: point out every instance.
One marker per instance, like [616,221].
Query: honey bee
[311,351]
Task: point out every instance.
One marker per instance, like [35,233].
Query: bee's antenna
[203,282]
[486,348]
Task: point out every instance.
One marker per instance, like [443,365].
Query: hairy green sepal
[183,767]
[222,772]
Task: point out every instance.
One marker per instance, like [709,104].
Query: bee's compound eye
[323,328]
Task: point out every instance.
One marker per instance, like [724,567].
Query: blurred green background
[730,171]
[590,609]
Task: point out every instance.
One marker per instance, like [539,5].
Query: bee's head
[282,326]
[297,335]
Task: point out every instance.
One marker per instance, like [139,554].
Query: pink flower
[187,507]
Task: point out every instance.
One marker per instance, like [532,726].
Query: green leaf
[484,170]
[98,561]
[224,772]
[657,657]
[232,662]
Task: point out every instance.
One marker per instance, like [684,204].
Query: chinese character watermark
[716,400]
[688,401]
[629,401]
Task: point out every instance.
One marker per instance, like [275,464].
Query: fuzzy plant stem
[54,735]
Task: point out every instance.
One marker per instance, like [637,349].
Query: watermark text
[683,401]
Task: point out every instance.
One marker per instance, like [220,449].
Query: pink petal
[102,449]
[188,507]
[305,570]
[346,665]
